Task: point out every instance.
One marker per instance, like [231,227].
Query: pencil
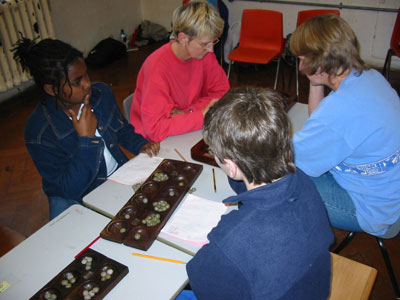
[159,258]
[84,249]
[215,184]
[184,159]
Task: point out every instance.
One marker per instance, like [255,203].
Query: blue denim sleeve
[67,174]
[129,139]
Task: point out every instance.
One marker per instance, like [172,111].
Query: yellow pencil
[159,258]
[184,159]
[215,184]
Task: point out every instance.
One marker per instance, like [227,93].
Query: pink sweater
[166,82]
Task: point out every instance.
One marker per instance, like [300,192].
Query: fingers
[151,149]
[87,123]
[155,147]
[86,110]
[176,111]
[213,101]
[72,115]
[148,152]
[205,109]
[146,149]
[86,100]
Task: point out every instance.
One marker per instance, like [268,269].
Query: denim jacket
[72,165]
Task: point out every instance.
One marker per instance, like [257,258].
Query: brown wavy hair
[250,127]
[329,43]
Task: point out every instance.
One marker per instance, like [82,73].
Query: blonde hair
[328,42]
[196,19]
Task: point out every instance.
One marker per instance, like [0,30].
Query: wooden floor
[24,207]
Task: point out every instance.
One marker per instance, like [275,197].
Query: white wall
[373,29]
[83,23]
[160,11]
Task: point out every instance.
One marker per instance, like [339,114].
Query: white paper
[136,170]
[195,219]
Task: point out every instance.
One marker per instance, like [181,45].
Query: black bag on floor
[105,52]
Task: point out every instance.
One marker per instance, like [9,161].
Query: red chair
[303,16]
[394,47]
[261,38]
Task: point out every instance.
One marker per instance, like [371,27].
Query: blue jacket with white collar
[72,165]
[276,246]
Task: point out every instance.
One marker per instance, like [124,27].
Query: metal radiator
[31,18]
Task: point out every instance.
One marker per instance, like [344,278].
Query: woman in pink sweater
[180,81]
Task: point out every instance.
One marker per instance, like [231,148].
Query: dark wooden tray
[201,152]
[77,278]
[129,226]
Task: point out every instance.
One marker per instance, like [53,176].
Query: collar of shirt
[280,190]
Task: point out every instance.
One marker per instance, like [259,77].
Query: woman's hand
[176,111]
[315,97]
[205,109]
[151,148]
[87,123]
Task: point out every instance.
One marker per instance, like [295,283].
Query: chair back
[350,280]
[261,29]
[304,15]
[127,103]
[395,41]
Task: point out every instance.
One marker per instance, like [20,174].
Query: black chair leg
[389,267]
[344,243]
[386,66]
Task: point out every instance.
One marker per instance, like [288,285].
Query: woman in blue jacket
[73,135]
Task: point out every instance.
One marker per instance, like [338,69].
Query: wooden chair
[9,239]
[350,280]
[391,234]
[261,39]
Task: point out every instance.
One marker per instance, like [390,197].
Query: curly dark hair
[47,61]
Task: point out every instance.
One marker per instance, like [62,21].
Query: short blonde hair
[196,19]
[328,42]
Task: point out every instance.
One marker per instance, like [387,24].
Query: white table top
[298,114]
[34,262]
[110,197]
